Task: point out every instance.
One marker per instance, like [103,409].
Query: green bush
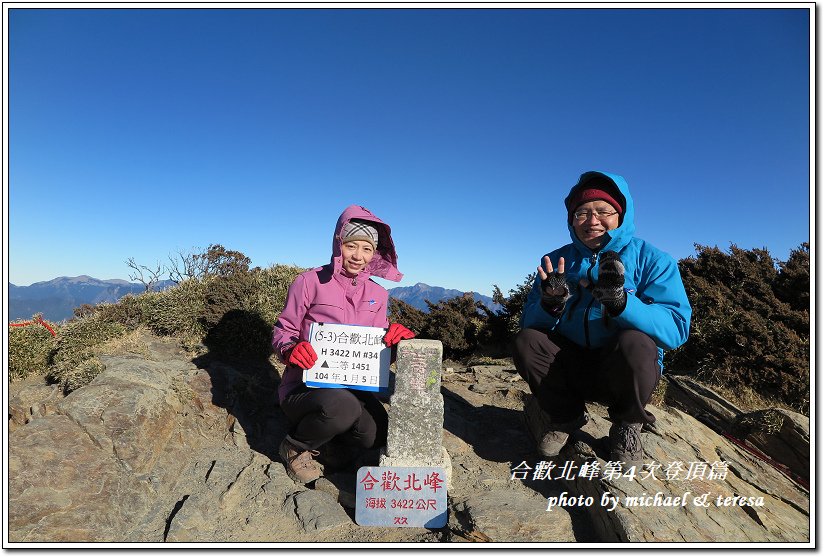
[743,336]
[457,324]
[129,311]
[240,311]
[409,316]
[29,349]
[224,294]
[215,261]
[465,326]
[240,335]
[792,285]
[504,324]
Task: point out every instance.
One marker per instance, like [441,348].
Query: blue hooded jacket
[656,301]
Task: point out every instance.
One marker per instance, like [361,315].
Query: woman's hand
[302,355]
[397,333]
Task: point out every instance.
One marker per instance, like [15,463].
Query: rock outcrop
[782,436]
[697,487]
[169,449]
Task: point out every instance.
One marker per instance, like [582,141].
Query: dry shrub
[231,306]
[177,310]
[29,349]
[77,342]
[128,311]
[270,288]
[232,311]
[83,374]
[769,421]
[659,393]
[746,398]
[240,311]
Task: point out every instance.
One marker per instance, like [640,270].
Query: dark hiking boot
[300,463]
[625,444]
[549,437]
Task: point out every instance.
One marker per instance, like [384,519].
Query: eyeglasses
[600,215]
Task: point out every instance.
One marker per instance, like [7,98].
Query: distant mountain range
[57,298]
[417,295]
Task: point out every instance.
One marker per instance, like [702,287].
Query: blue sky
[144,132]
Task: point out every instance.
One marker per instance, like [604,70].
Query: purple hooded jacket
[326,295]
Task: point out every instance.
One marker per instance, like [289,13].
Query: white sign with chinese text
[349,357]
[409,496]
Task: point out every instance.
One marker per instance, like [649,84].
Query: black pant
[318,415]
[563,375]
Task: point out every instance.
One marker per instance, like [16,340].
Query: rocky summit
[164,447]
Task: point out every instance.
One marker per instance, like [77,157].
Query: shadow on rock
[244,381]
[496,434]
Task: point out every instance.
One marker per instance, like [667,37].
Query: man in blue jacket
[596,323]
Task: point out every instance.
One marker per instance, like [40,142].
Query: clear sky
[143,132]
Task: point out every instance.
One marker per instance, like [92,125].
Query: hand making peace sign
[554,289]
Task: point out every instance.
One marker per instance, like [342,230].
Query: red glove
[302,355]
[397,333]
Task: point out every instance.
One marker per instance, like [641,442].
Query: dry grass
[766,421]
[488,361]
[129,343]
[183,391]
[748,400]
[744,398]
[658,395]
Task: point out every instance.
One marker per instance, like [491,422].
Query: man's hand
[609,290]
[554,289]
[397,333]
[302,355]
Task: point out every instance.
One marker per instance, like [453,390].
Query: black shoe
[549,437]
[625,444]
[336,455]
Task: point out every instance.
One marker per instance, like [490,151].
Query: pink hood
[384,264]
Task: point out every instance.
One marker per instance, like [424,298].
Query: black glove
[554,293]
[609,290]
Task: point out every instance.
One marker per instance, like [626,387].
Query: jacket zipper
[593,261]
[347,317]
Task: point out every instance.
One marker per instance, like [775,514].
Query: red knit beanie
[593,194]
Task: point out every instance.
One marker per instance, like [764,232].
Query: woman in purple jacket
[340,292]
